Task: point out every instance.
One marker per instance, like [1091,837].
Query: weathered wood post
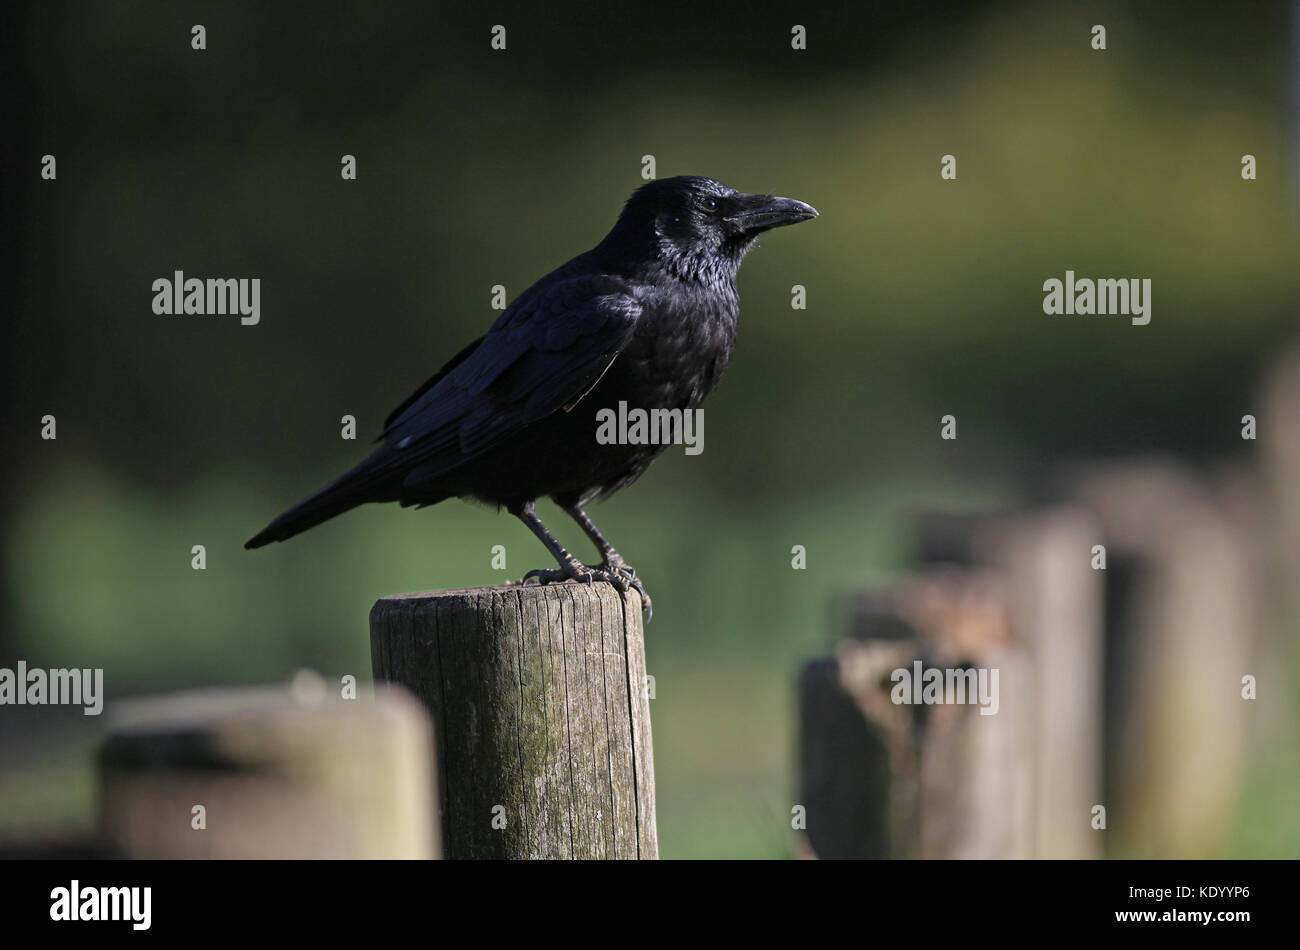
[859,765]
[268,772]
[541,716]
[1185,607]
[1057,605]
[918,781]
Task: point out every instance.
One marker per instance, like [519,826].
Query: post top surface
[595,587]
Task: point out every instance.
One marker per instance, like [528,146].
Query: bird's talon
[647,605]
[545,576]
[622,577]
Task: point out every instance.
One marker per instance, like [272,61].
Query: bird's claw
[621,575]
[626,571]
[578,573]
[552,575]
[647,606]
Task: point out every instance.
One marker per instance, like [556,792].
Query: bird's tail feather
[355,488]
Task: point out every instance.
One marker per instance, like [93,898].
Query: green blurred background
[478,168]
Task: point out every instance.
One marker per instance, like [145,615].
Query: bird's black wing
[429,384]
[543,355]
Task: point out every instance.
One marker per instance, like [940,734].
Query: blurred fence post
[1184,604]
[538,695]
[884,779]
[858,767]
[264,773]
[1274,723]
[1057,609]
[1279,443]
[1012,594]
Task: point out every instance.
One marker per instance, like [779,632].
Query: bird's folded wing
[543,355]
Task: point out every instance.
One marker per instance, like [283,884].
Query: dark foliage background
[479,167]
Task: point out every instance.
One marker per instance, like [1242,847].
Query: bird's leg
[612,559]
[571,569]
[612,562]
[614,570]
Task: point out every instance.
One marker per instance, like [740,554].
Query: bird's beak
[760,212]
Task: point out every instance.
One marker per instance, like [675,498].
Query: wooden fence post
[859,769]
[1056,603]
[538,696]
[882,779]
[1185,607]
[268,772]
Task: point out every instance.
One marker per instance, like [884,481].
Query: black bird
[646,317]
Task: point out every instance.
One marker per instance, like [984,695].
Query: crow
[647,317]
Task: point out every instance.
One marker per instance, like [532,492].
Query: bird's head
[692,223]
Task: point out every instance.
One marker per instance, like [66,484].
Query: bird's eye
[711,204]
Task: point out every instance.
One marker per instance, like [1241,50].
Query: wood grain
[541,717]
